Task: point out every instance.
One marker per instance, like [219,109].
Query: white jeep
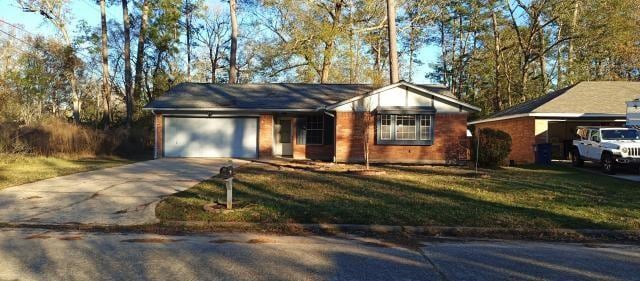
[611,147]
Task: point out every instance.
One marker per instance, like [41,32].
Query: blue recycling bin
[543,153]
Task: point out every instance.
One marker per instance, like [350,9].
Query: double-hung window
[315,129]
[404,129]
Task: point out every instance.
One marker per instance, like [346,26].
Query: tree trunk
[127,62]
[233,70]
[443,48]
[106,89]
[542,62]
[213,65]
[574,22]
[74,95]
[72,76]
[188,11]
[393,49]
[137,92]
[412,46]
[496,57]
[559,60]
[326,62]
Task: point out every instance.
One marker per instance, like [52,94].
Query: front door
[284,138]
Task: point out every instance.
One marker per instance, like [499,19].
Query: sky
[88,11]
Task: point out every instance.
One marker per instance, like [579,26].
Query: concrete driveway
[123,195]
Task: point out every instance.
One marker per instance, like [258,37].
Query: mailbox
[226,172]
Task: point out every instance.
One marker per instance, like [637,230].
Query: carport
[553,118]
[560,133]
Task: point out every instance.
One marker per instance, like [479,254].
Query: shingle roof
[438,89]
[591,97]
[263,96]
[529,106]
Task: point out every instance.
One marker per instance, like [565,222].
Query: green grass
[524,197]
[16,170]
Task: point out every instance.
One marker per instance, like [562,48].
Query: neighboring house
[410,123]
[553,118]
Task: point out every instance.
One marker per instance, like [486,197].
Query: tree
[393,41]
[305,37]
[128,89]
[212,33]
[55,12]
[233,54]
[142,35]
[106,89]
[189,11]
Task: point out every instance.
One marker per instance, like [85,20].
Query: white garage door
[211,137]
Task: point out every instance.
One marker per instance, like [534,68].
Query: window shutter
[328,129]
[301,130]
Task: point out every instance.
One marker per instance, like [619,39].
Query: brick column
[159,134]
[265,137]
[349,139]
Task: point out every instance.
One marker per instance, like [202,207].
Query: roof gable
[426,90]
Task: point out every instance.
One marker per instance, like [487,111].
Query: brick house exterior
[430,128]
[451,144]
[522,132]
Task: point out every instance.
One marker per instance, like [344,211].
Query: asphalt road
[31,254]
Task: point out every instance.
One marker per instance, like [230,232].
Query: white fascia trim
[408,85]
[550,115]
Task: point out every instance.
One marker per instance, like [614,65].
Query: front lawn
[19,169]
[524,197]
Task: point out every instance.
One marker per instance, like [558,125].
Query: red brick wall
[310,151]
[159,131]
[450,141]
[523,139]
[265,137]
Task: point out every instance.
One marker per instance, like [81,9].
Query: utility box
[633,113]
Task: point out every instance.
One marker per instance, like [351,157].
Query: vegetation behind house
[56,137]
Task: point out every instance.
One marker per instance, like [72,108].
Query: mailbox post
[226,172]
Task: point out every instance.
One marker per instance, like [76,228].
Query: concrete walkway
[32,254]
[123,195]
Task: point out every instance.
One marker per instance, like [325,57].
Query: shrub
[494,147]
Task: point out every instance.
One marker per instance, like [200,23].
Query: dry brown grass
[56,137]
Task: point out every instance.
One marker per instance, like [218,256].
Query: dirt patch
[150,240]
[367,172]
[224,241]
[260,241]
[38,236]
[70,238]
[376,244]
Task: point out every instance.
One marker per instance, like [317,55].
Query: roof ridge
[278,83]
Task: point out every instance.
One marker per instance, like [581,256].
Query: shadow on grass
[336,197]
